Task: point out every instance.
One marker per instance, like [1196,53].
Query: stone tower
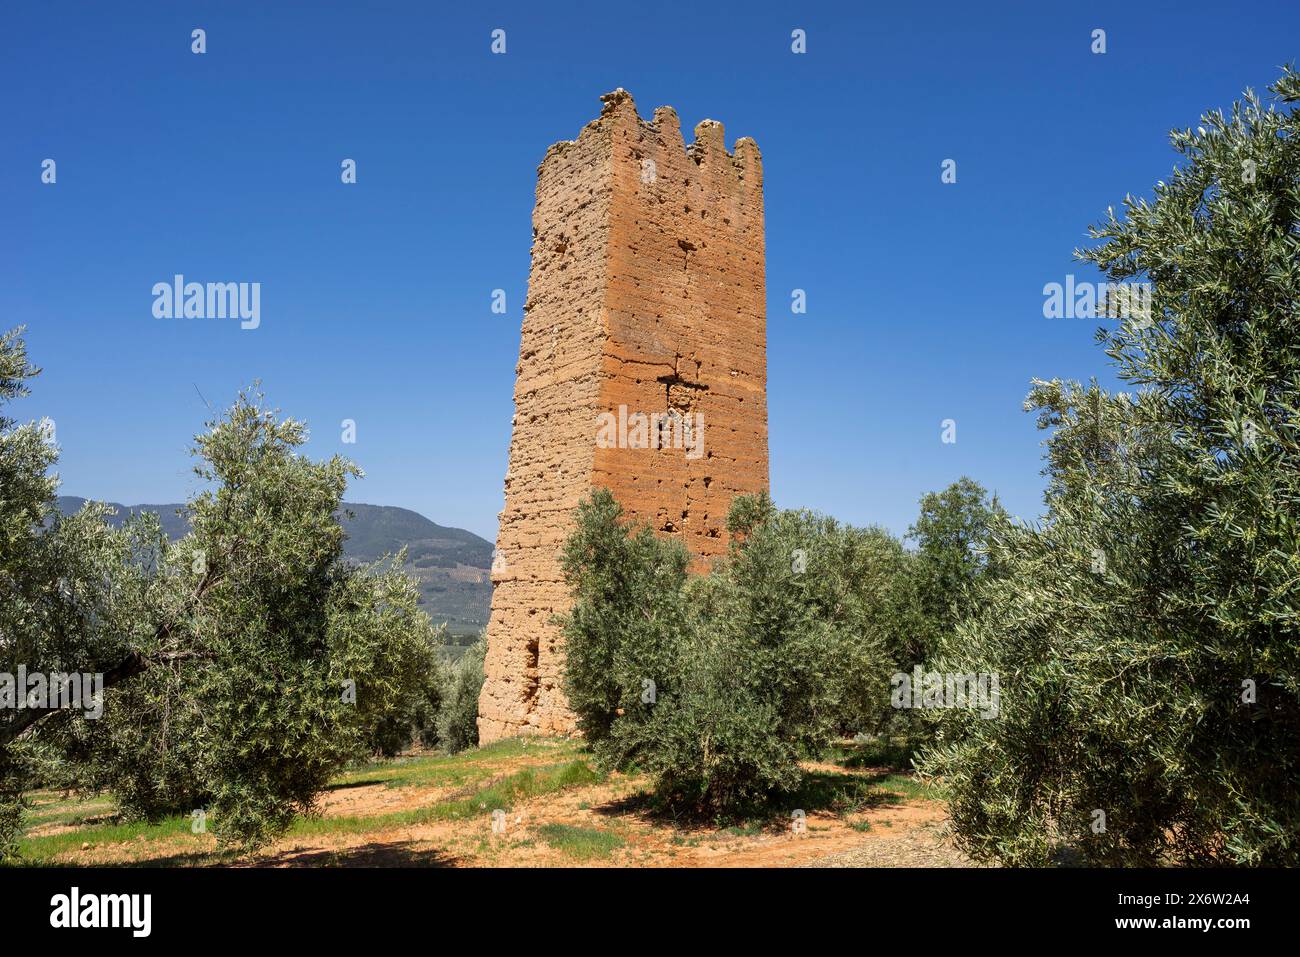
[642,368]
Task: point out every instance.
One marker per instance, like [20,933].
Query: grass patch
[908,786]
[583,843]
[50,845]
[50,807]
[413,772]
[520,786]
[454,770]
[471,772]
[502,793]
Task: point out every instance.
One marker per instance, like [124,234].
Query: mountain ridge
[452,565]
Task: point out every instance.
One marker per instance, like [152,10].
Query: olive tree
[241,665]
[1146,632]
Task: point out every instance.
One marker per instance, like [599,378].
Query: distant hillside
[451,564]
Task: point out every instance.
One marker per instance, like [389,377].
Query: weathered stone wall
[646,296]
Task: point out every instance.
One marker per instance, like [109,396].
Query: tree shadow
[375,854]
[226,858]
[839,793]
[819,791]
[894,753]
[348,785]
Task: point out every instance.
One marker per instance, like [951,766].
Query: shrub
[718,684]
[951,563]
[415,716]
[716,744]
[457,723]
[626,625]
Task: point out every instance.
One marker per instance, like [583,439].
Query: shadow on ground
[394,854]
[828,791]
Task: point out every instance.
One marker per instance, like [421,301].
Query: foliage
[415,712]
[292,657]
[627,623]
[243,664]
[457,723]
[718,684]
[951,560]
[1146,633]
[69,591]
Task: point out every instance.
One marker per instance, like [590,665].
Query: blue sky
[924,298]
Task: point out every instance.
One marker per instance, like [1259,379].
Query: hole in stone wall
[530,672]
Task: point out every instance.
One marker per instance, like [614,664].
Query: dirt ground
[365,820]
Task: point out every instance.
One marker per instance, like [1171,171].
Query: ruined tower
[645,318]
